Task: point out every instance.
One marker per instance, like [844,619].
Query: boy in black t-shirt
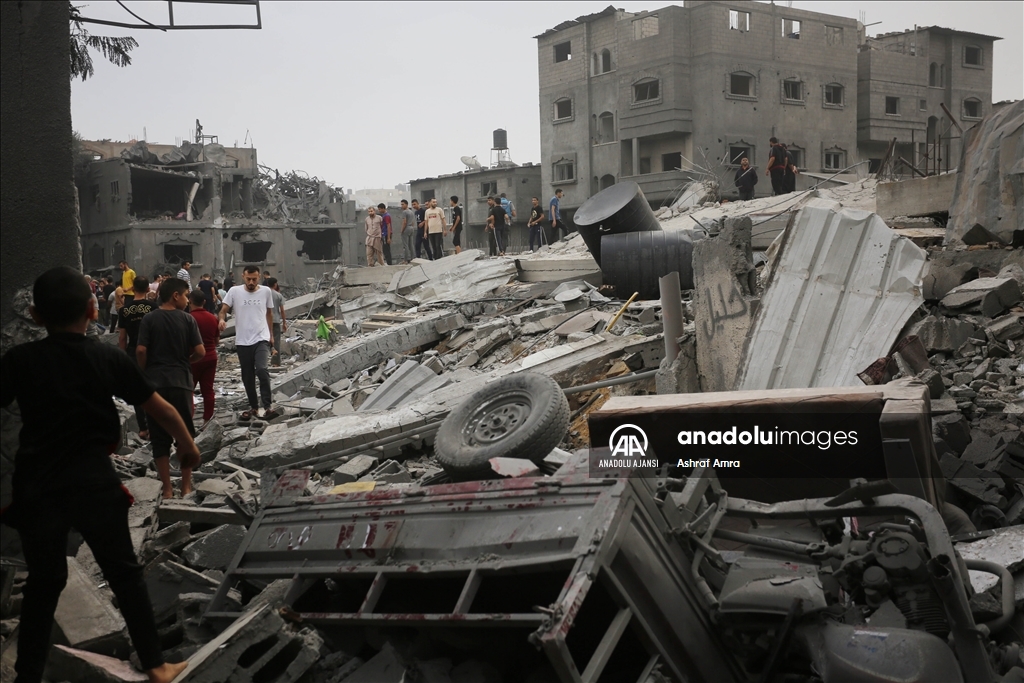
[128,320]
[63,476]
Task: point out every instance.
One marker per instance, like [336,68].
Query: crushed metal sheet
[844,287]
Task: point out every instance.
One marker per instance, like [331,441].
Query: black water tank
[500,139]
[634,261]
[619,209]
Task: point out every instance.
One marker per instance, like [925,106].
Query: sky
[368,95]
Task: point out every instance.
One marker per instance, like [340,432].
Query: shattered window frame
[793,91]
[739,20]
[735,151]
[834,95]
[488,189]
[647,91]
[563,52]
[794,26]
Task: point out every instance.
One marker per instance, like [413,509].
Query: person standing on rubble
[204,369]
[254,327]
[280,320]
[535,224]
[128,320]
[116,302]
[746,179]
[63,476]
[374,251]
[385,231]
[456,224]
[422,243]
[185,274]
[791,171]
[555,215]
[408,231]
[127,278]
[437,228]
[209,289]
[777,167]
[496,225]
[169,342]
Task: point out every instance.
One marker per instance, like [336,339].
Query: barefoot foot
[165,673]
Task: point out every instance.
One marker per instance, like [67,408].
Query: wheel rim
[496,419]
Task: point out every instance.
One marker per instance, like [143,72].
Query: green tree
[115,50]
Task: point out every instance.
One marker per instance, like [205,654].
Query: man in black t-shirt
[777,167]
[456,224]
[209,292]
[128,320]
[169,342]
[496,226]
[535,224]
[63,476]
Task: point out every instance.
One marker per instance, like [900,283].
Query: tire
[524,415]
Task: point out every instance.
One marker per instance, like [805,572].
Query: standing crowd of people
[781,169]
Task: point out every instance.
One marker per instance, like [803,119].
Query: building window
[972,55]
[892,106]
[606,127]
[564,171]
[563,52]
[933,75]
[835,160]
[426,196]
[972,108]
[834,95]
[119,252]
[798,155]
[96,196]
[563,109]
[489,189]
[739,21]
[673,161]
[602,62]
[647,90]
[738,151]
[645,165]
[792,91]
[115,190]
[177,253]
[922,105]
[255,252]
[645,27]
[791,29]
[833,35]
[741,84]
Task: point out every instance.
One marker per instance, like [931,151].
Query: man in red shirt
[204,369]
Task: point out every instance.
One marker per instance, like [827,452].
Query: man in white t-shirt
[254,324]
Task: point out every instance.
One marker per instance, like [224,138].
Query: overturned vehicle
[570,576]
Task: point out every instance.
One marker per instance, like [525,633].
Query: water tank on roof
[618,209]
[500,139]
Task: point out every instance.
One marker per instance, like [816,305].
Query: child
[63,476]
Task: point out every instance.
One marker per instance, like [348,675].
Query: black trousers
[386,248]
[746,194]
[100,513]
[790,182]
[778,181]
[437,245]
[181,399]
[422,245]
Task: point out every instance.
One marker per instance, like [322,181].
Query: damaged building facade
[157,206]
[664,97]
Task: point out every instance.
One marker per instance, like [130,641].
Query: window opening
[833,35]
[563,109]
[564,171]
[645,27]
[892,105]
[115,190]
[563,52]
[426,196]
[741,84]
[645,165]
[606,127]
[739,152]
[791,29]
[320,245]
[793,90]
[834,94]
[177,253]
[972,109]
[488,189]
[834,160]
[646,91]
[972,55]
[606,61]
[255,252]
[672,161]
[922,105]
[607,181]
[739,21]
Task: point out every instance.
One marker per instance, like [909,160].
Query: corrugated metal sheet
[843,288]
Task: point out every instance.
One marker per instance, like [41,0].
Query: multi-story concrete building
[903,81]
[473,187]
[157,206]
[662,97]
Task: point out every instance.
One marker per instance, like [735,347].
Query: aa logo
[629,441]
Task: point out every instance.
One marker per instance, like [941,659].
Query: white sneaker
[260,413]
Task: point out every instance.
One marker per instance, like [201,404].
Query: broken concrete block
[953,429]
[216,549]
[493,341]
[469,360]
[973,482]
[259,646]
[933,380]
[384,667]
[988,295]
[86,618]
[209,440]
[390,471]
[172,538]
[70,664]
[982,449]
[215,487]
[1007,327]
[979,234]
[354,469]
[168,581]
[942,333]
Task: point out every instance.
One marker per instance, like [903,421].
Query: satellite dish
[471,163]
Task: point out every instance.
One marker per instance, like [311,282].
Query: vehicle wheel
[524,416]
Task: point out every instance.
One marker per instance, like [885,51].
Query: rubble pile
[293,196]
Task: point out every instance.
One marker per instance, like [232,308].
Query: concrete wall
[37,194]
[915,196]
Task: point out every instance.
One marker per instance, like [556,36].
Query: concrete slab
[410,380]
[215,549]
[70,664]
[167,581]
[367,276]
[1005,547]
[915,196]
[86,618]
